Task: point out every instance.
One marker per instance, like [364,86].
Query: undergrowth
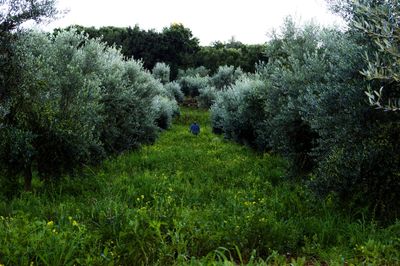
[187,200]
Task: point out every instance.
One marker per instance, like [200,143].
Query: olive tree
[76,102]
[52,112]
[381,24]
[13,13]
[162,71]
[308,103]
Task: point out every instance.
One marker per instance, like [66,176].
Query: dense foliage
[232,53]
[12,15]
[225,76]
[175,91]
[309,104]
[176,46]
[75,102]
[380,24]
[162,72]
[199,86]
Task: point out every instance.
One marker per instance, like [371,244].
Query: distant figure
[195,128]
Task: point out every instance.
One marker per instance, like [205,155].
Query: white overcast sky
[248,21]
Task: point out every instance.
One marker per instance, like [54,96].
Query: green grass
[187,200]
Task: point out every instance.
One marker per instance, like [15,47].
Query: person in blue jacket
[195,128]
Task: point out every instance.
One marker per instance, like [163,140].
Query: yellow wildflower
[74,223]
[50,223]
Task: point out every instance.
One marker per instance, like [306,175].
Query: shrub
[164,110]
[128,121]
[357,150]
[162,72]
[274,110]
[191,86]
[193,72]
[53,110]
[206,97]
[174,91]
[238,111]
[309,105]
[225,76]
[76,102]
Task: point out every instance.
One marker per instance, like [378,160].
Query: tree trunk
[28,178]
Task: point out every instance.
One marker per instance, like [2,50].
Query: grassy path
[184,200]
[209,192]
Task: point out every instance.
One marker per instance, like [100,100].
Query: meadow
[188,200]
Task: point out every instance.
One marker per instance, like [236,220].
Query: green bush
[206,97]
[225,76]
[174,90]
[162,72]
[237,112]
[309,105]
[271,112]
[165,110]
[193,72]
[356,148]
[128,93]
[76,101]
[56,102]
[191,86]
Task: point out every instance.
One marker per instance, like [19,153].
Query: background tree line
[176,46]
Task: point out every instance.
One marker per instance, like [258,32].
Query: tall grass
[190,200]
